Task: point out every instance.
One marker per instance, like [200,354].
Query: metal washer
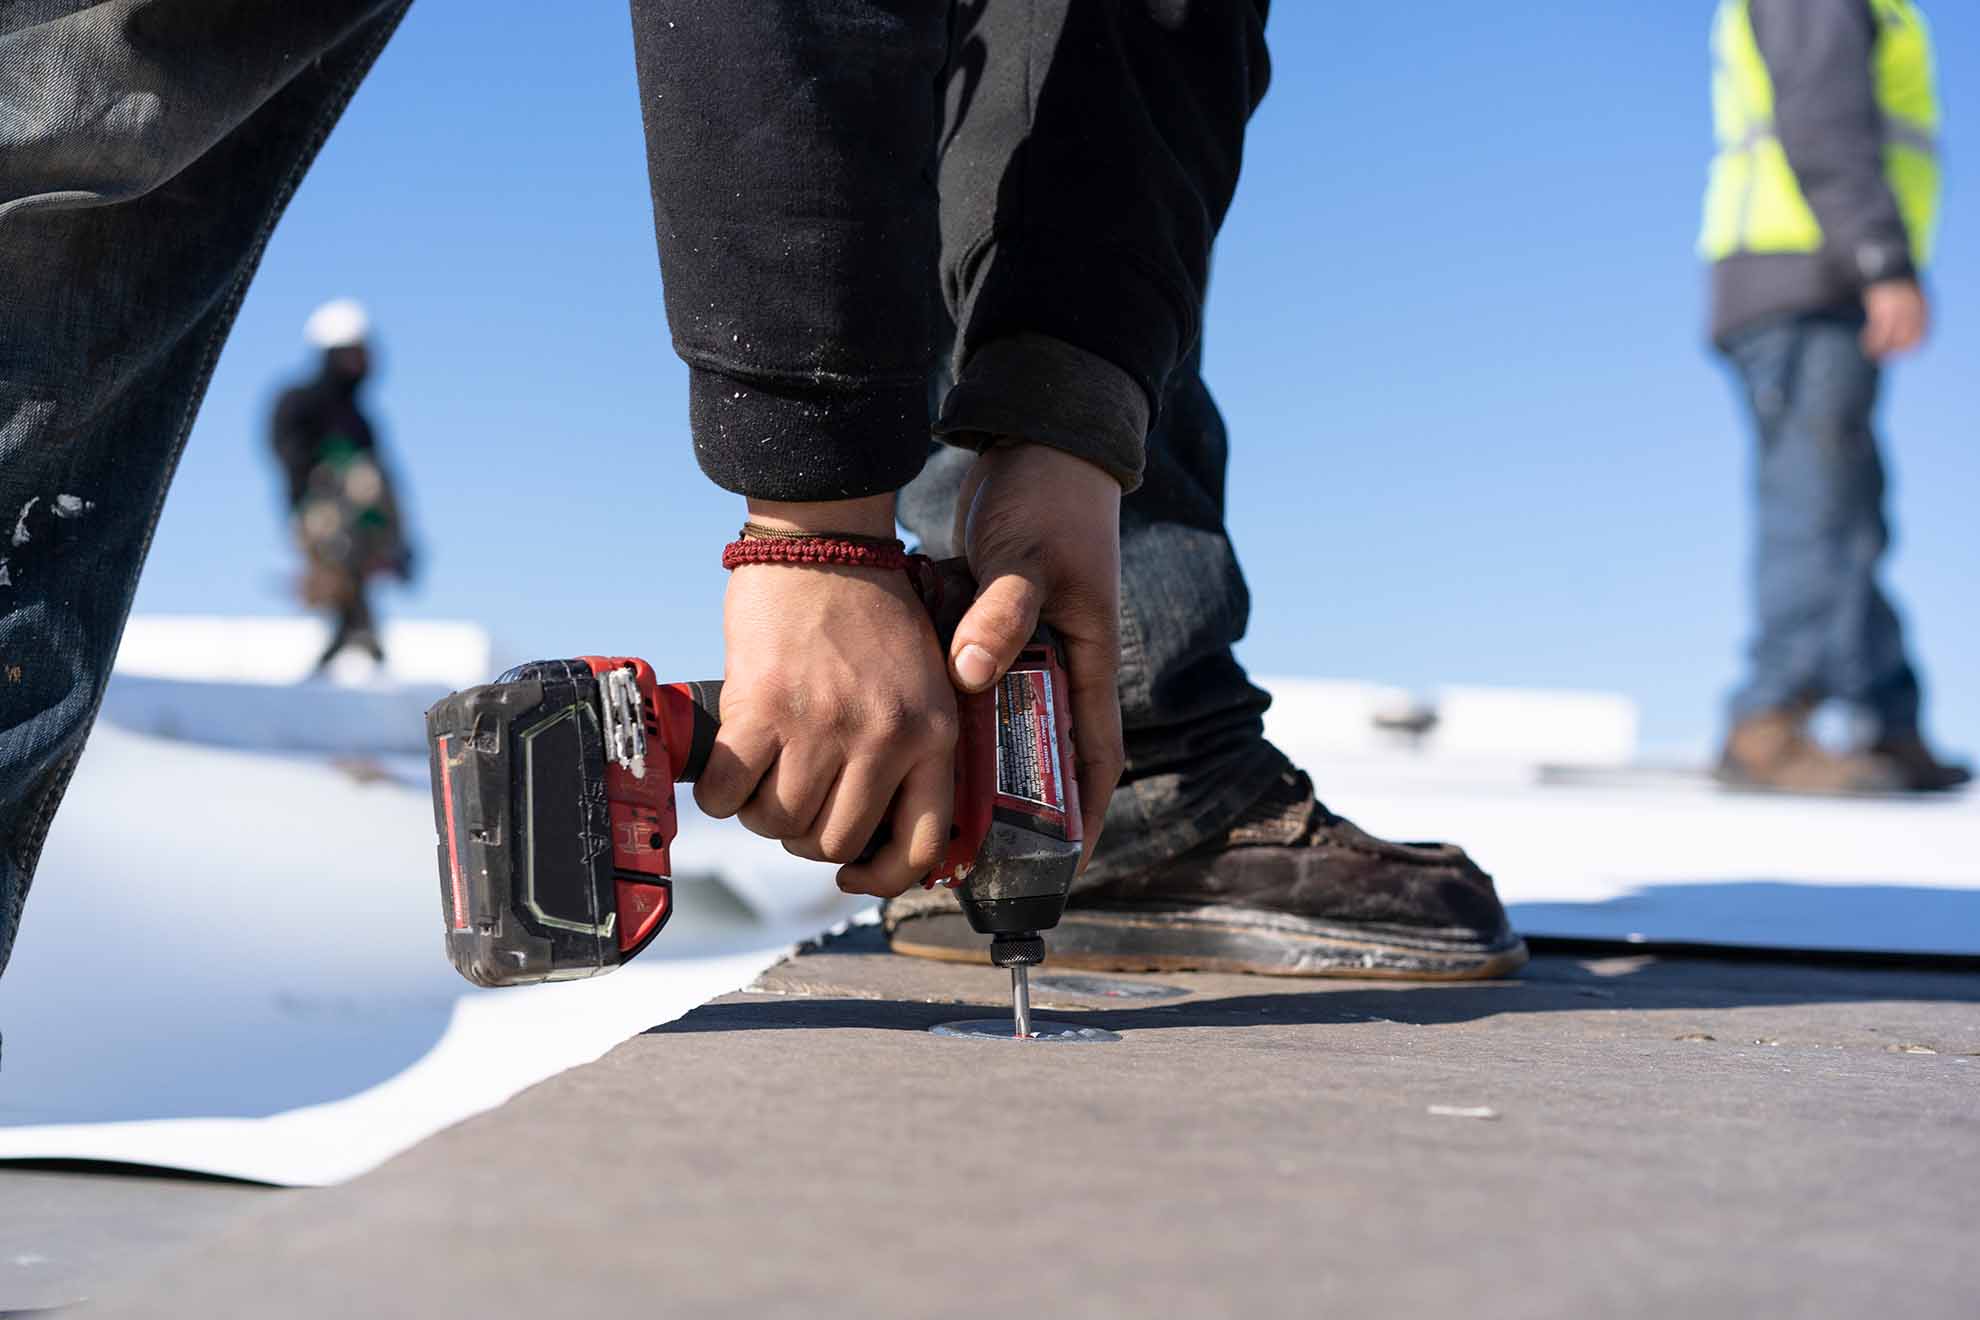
[1044,1033]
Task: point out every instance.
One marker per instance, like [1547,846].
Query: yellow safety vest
[1753,202]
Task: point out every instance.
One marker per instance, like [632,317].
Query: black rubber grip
[706,698]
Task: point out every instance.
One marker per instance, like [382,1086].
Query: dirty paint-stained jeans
[146,149]
[1823,627]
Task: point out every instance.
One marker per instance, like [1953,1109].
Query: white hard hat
[339,323]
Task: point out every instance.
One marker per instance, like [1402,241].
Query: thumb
[995,629]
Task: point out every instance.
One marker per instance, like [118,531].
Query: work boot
[1923,772]
[1290,890]
[1773,750]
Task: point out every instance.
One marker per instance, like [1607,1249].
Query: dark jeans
[1823,628]
[147,148]
[146,151]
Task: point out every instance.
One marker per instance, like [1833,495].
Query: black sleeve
[1825,110]
[293,439]
[1095,151]
[791,149]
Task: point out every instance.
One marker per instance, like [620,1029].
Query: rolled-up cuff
[1879,262]
[774,442]
[1037,388]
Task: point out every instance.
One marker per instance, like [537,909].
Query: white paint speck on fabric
[21,523]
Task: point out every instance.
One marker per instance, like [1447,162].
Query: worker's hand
[1896,318]
[1042,531]
[837,711]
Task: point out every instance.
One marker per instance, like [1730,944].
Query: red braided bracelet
[802,548]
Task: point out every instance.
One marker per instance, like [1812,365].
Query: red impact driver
[553,800]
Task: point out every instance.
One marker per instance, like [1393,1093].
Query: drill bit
[1017,950]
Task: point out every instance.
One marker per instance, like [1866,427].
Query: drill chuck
[1024,950]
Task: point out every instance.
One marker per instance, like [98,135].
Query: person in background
[1818,221]
[340,500]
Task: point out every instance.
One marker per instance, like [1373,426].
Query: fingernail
[975,666]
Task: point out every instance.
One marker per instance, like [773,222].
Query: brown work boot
[1773,750]
[1923,772]
[1290,890]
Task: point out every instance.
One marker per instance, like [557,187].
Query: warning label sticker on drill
[1027,740]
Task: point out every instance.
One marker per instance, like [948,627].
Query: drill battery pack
[553,801]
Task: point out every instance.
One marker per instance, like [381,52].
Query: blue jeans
[147,148]
[1824,629]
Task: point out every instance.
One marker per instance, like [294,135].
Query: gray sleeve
[1825,111]
[1055,393]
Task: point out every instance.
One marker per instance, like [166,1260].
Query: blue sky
[1455,328]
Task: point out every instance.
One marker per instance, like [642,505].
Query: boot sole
[1226,939]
